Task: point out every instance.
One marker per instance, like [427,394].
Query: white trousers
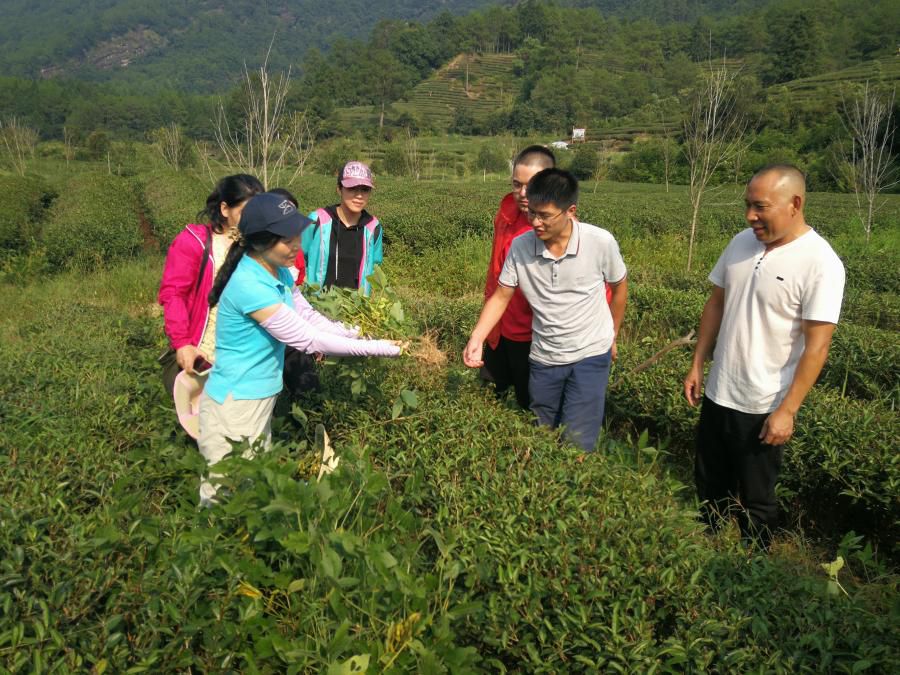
[232,421]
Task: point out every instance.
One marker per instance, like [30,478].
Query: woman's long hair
[232,190]
[259,241]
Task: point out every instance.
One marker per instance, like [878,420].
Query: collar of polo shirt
[540,249]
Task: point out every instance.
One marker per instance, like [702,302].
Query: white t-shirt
[767,295]
[571,320]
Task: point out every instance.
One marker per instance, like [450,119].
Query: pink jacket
[185,306]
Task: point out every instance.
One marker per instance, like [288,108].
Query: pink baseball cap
[356,173]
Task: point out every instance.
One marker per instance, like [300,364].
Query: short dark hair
[287,195]
[536,154]
[553,186]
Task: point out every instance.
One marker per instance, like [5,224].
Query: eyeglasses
[542,217]
[365,189]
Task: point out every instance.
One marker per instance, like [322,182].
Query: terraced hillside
[886,72]
[491,85]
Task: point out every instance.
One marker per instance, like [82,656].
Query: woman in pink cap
[343,245]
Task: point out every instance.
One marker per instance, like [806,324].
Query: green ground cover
[455,536]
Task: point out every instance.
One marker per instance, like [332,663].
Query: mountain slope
[194,45]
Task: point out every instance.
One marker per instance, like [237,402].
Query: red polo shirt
[509,223]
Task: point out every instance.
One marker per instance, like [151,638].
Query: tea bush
[841,466]
[94,224]
[434,224]
[24,200]
[453,271]
[170,200]
[570,565]
[455,536]
[864,363]
[867,308]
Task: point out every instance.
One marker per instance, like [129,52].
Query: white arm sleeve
[286,326]
[307,313]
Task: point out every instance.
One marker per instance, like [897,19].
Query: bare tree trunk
[412,154]
[869,121]
[170,143]
[68,149]
[268,136]
[713,134]
[667,154]
[695,213]
[18,143]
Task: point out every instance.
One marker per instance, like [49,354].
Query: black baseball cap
[270,212]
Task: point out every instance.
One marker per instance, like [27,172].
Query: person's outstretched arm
[490,314]
[286,326]
[319,321]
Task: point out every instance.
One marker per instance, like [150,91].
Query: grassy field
[456,536]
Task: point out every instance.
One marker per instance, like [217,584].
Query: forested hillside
[191,45]
[200,45]
[625,70]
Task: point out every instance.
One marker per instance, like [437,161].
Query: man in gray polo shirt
[562,266]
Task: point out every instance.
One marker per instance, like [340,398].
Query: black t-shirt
[345,250]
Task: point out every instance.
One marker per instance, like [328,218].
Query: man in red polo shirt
[508,345]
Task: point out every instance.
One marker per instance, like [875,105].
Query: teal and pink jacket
[184,301]
[316,244]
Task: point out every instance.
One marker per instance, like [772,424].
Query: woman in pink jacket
[191,265]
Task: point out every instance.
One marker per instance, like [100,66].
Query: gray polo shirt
[572,320]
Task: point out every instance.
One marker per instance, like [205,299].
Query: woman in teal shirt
[259,313]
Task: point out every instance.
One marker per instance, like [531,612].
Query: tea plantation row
[436,246]
[455,538]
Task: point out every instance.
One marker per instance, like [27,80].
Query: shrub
[170,200]
[452,538]
[566,565]
[450,319]
[864,363]
[423,222]
[841,465]
[96,223]
[492,158]
[24,200]
[584,163]
[868,308]
[330,156]
[393,160]
[97,145]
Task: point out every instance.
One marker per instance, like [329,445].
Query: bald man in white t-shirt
[776,299]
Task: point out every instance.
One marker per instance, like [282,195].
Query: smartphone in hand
[202,366]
